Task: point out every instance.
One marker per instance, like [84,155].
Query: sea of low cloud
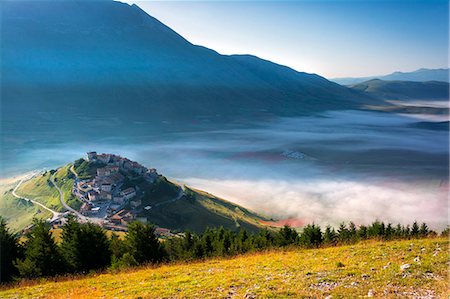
[328,168]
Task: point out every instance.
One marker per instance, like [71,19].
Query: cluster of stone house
[108,182]
[123,163]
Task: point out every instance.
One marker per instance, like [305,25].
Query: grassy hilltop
[369,268]
[195,210]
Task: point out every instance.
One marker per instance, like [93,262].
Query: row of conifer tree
[86,247]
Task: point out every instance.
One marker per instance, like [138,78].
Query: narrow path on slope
[72,170]
[63,202]
[179,196]
[55,214]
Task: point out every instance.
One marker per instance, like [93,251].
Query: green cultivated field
[367,269]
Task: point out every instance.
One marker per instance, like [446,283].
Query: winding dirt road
[63,202]
[55,215]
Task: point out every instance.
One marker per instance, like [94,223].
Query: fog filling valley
[328,168]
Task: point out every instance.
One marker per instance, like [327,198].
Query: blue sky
[331,38]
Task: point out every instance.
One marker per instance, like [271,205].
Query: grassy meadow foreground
[367,269]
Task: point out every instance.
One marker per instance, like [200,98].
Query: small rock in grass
[435,253]
[370,293]
[417,259]
[354,284]
[328,297]
[405,266]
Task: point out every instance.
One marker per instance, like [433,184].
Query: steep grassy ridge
[197,210]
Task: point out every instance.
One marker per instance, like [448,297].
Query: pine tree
[117,246]
[227,241]
[42,257]
[95,247]
[423,231]
[264,239]
[84,246]
[9,252]
[388,232]
[406,232]
[376,230]
[242,244]
[362,232]
[142,243]
[415,230]
[311,236]
[352,232]
[207,242]
[343,233]
[329,236]
[286,236]
[398,231]
[70,245]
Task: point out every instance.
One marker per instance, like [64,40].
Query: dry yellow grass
[370,267]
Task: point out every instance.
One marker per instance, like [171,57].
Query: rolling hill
[405,90]
[420,75]
[192,210]
[106,65]
[368,269]
[18,213]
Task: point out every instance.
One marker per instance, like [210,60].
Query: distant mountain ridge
[404,90]
[420,75]
[103,60]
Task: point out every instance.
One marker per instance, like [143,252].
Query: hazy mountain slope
[66,60]
[420,75]
[405,90]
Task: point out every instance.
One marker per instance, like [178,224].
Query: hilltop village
[111,195]
[113,191]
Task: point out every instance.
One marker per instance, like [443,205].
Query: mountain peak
[78,53]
